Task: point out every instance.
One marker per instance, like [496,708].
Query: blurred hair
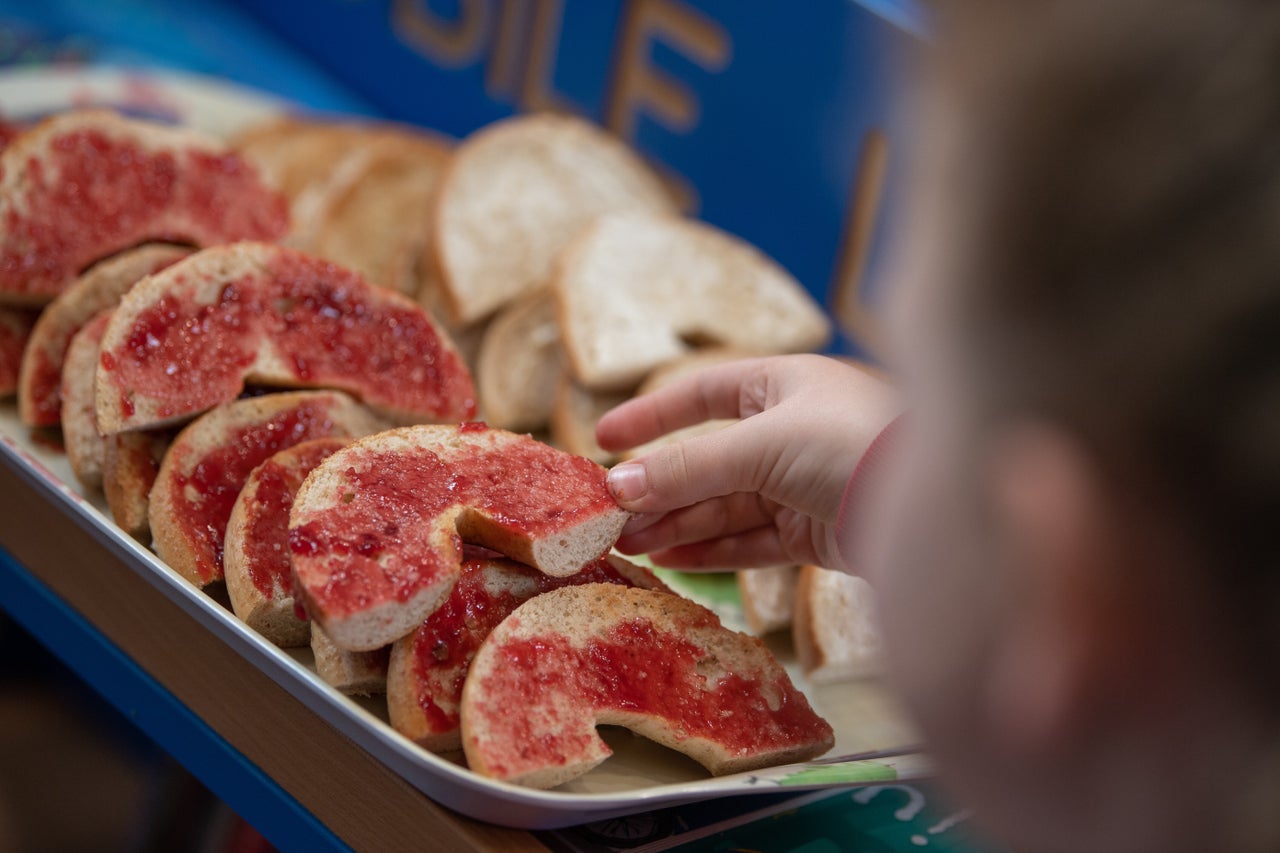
[1114,168]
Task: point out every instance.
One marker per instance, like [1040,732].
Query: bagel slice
[429,667]
[191,336]
[85,185]
[376,531]
[660,665]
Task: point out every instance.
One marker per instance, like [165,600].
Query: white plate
[638,777]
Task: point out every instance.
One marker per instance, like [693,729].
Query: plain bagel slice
[191,336]
[657,664]
[429,666]
[100,288]
[256,548]
[516,192]
[635,289]
[85,185]
[208,463]
[376,531]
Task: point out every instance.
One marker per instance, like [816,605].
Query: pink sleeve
[865,473]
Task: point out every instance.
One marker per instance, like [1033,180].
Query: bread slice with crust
[636,290]
[516,192]
[208,463]
[837,637]
[99,288]
[660,665]
[85,185]
[768,597]
[519,366]
[255,555]
[429,666]
[353,673]
[376,530]
[191,336]
[130,464]
[86,451]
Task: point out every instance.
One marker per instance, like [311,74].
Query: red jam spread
[93,193]
[329,327]
[485,594]
[634,668]
[266,542]
[380,540]
[45,377]
[15,329]
[205,488]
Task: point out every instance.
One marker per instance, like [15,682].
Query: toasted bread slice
[658,664]
[376,530]
[354,673]
[429,666]
[835,630]
[130,465]
[85,448]
[378,225]
[255,555]
[16,325]
[515,193]
[519,368]
[574,418]
[83,186]
[100,288]
[191,336]
[208,463]
[634,289]
[768,597]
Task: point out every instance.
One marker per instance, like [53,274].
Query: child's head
[1082,596]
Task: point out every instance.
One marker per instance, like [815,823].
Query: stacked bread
[555,256]
[241,349]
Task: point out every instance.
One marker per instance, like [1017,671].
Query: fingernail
[628,482]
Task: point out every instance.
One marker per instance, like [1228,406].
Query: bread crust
[131,461]
[544,734]
[99,288]
[834,627]
[353,673]
[271,613]
[86,451]
[520,365]
[187,523]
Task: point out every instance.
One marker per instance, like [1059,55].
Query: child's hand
[763,491]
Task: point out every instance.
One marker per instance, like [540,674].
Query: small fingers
[751,549]
[711,519]
[708,394]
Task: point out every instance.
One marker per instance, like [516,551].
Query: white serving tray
[640,775]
